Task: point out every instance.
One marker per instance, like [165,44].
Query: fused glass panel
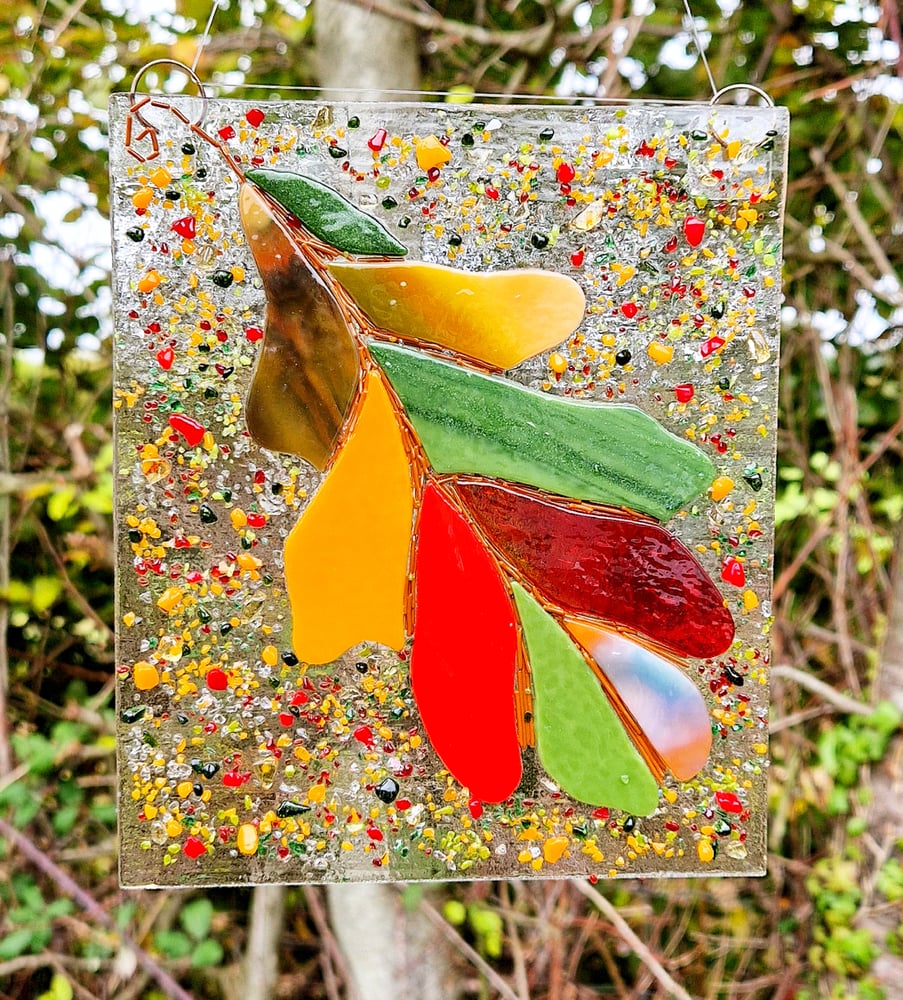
[445,488]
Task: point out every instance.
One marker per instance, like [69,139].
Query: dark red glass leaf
[605,563]
[464,654]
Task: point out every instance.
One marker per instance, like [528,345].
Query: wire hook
[190,73]
[733,87]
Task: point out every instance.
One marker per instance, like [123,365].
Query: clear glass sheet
[512,571]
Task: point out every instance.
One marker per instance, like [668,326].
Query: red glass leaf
[609,564]
[464,654]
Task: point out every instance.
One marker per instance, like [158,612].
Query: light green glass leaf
[580,740]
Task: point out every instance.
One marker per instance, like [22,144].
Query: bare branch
[530,40]
[473,956]
[824,691]
[624,931]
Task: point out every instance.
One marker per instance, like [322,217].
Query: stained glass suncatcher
[445,488]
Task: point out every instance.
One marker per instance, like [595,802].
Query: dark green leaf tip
[327,214]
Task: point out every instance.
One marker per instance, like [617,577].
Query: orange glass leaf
[464,654]
[502,318]
[666,704]
[308,366]
[346,561]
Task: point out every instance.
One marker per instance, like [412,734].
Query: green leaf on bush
[172,944]
[36,751]
[15,944]
[17,592]
[104,812]
[45,590]
[207,953]
[196,917]
[64,820]
[59,908]
[59,502]
[100,499]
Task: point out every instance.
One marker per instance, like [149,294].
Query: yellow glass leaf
[346,561]
[502,317]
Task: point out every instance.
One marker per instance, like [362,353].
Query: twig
[82,466]
[90,905]
[70,588]
[614,973]
[786,576]
[517,950]
[529,40]
[330,951]
[836,698]
[26,963]
[785,722]
[838,252]
[11,777]
[863,229]
[627,935]
[473,956]
[14,483]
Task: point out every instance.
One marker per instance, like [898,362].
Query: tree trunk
[359,50]
[390,953]
[261,965]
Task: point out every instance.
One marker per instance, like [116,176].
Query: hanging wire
[204,91]
[538,99]
[708,72]
[205,37]
[478,95]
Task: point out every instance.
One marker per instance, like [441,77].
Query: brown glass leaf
[308,365]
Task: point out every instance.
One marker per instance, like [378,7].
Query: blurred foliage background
[828,920]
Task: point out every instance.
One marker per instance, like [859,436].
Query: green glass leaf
[328,215]
[481,424]
[579,737]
